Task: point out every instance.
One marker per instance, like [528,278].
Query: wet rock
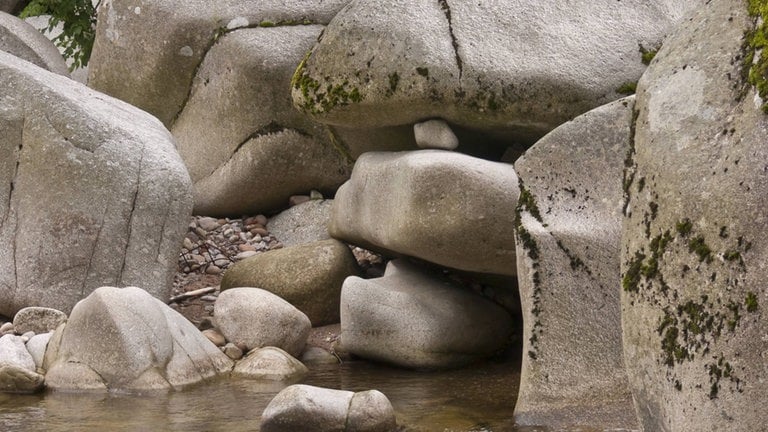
[302,407]
[257,318]
[304,223]
[308,276]
[693,251]
[315,355]
[95,193]
[24,41]
[270,363]
[569,235]
[125,339]
[421,203]
[415,319]
[38,319]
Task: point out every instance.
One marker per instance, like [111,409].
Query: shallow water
[479,398]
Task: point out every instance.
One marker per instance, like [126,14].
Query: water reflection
[480,398]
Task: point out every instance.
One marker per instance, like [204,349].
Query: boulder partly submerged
[93,192]
[123,339]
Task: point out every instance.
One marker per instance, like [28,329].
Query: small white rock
[436,134]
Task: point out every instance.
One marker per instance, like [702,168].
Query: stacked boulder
[24,41]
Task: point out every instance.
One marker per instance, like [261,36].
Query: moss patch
[755,66]
[322,97]
[627,88]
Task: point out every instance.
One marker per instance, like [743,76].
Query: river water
[478,398]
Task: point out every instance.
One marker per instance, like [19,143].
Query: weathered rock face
[246,148]
[146,52]
[17,367]
[38,320]
[516,66]
[423,203]
[303,223]
[10,6]
[270,363]
[415,319]
[302,408]
[94,193]
[125,339]
[693,248]
[24,41]
[307,276]
[258,318]
[569,234]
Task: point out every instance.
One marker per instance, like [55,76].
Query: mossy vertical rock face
[147,52]
[693,254]
[569,232]
[92,192]
[518,66]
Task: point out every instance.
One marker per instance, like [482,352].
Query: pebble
[215,336]
[207,223]
[6,328]
[259,231]
[213,270]
[245,254]
[232,351]
[188,244]
[208,298]
[247,247]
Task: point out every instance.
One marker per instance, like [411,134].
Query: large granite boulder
[125,339]
[444,207]
[517,67]
[17,367]
[301,408]
[257,318]
[693,249]
[23,40]
[94,192]
[308,276]
[569,233]
[415,319]
[147,52]
[246,148]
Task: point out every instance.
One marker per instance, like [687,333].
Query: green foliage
[627,88]
[78,19]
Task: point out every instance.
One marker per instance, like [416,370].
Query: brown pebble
[246,248]
[213,270]
[261,219]
[260,231]
[215,336]
[297,199]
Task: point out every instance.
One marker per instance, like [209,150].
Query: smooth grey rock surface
[415,319]
[569,234]
[24,41]
[14,352]
[240,136]
[38,319]
[94,193]
[517,66]
[303,223]
[125,339]
[693,247]
[270,363]
[258,318]
[308,276]
[147,52]
[301,408]
[16,379]
[421,203]
[436,134]
[36,346]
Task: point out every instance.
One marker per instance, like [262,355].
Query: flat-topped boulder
[429,204]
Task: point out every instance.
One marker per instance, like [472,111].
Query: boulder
[257,318]
[270,363]
[308,276]
[301,407]
[568,238]
[38,319]
[36,346]
[303,223]
[11,6]
[414,319]
[95,193]
[14,352]
[16,379]
[246,148]
[520,68]
[429,204]
[23,40]
[693,252]
[125,339]
[147,52]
